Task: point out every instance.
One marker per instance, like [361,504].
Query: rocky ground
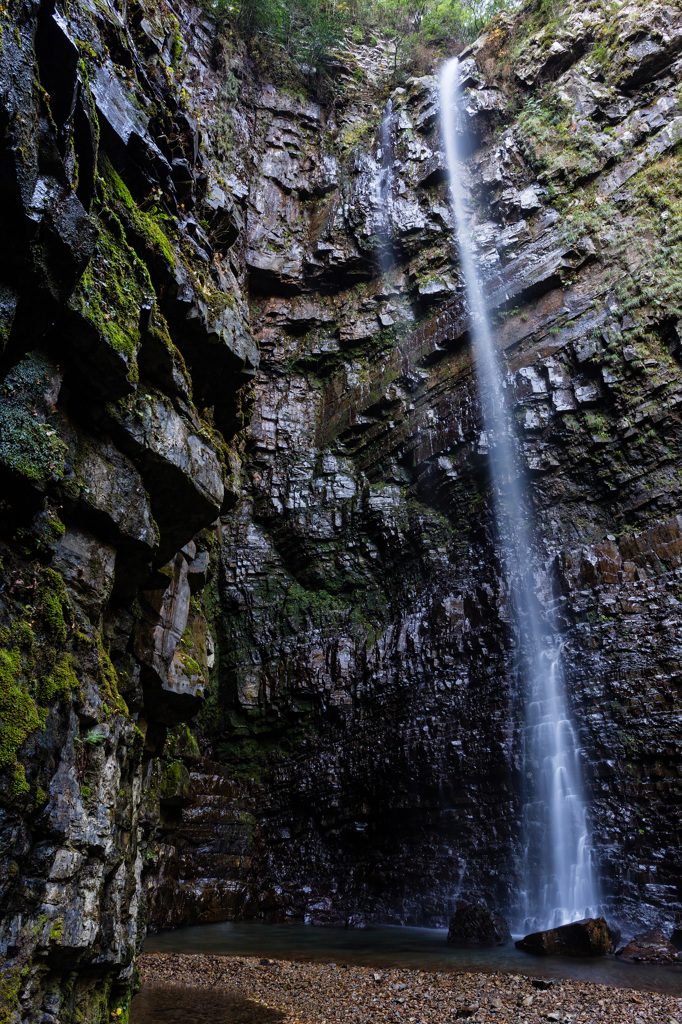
[310,993]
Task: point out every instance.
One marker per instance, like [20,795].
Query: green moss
[180,743]
[19,786]
[175,782]
[29,446]
[62,682]
[354,136]
[136,220]
[10,987]
[112,292]
[19,714]
[35,673]
[189,666]
[57,929]
[53,601]
[108,679]
[85,792]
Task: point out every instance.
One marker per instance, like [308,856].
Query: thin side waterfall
[557,878]
[384,190]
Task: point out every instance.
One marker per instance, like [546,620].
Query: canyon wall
[362,745]
[243,477]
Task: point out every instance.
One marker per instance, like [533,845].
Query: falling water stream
[557,880]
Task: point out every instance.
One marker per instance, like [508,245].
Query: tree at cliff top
[309,31]
[312,32]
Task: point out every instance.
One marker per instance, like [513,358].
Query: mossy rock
[175,789]
[30,446]
[107,306]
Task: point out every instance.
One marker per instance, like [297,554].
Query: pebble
[313,993]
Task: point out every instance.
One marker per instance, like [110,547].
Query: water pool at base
[423,949]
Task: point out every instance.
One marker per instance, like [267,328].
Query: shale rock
[362,588]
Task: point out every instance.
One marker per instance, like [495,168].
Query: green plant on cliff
[308,32]
[140,223]
[29,445]
[30,676]
[553,140]
[113,290]
[10,987]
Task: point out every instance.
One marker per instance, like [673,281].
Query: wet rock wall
[366,706]
[120,323]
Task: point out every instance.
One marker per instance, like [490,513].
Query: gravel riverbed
[312,993]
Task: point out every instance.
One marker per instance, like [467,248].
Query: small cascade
[557,879]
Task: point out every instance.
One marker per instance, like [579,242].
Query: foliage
[312,32]
[446,20]
[553,141]
[432,24]
[308,31]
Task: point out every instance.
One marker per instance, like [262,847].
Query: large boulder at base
[650,947]
[590,937]
[474,925]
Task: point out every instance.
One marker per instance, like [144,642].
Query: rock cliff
[364,729]
[122,323]
[243,476]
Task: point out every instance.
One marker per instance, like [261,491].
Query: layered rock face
[120,323]
[367,717]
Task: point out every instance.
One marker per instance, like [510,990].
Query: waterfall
[557,881]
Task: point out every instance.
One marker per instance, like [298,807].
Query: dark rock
[102,486]
[589,937]
[474,925]
[181,472]
[676,938]
[87,566]
[650,947]
[197,571]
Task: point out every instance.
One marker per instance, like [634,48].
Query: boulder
[650,947]
[589,937]
[474,925]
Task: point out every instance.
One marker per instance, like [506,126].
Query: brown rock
[650,947]
[590,937]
